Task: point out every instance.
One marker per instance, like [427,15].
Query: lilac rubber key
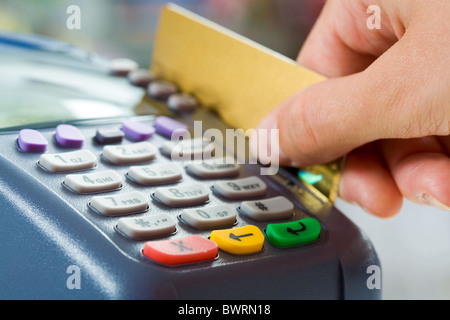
[137,131]
[32,141]
[68,136]
[167,126]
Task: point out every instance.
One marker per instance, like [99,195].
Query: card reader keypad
[124,172]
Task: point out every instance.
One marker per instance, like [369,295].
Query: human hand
[386,104]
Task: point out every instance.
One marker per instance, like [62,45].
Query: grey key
[160,89]
[122,66]
[214,169]
[103,136]
[182,102]
[141,77]
[249,187]
[268,209]
[102,181]
[164,173]
[129,153]
[68,162]
[142,227]
[183,196]
[196,148]
[120,204]
[210,216]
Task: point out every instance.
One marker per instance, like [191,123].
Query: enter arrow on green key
[294,233]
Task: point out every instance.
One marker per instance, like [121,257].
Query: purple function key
[32,141]
[167,126]
[68,136]
[137,130]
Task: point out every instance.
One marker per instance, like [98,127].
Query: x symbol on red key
[181,251]
[181,246]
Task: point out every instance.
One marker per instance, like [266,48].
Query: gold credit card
[238,78]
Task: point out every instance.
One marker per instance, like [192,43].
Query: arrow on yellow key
[238,238]
[243,240]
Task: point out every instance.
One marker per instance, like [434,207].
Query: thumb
[387,100]
[320,123]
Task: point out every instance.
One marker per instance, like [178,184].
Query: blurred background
[117,28]
[414,247]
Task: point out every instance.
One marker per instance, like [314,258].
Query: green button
[293,233]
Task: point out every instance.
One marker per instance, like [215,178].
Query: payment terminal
[110,189]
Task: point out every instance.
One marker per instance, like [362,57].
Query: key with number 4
[104,181]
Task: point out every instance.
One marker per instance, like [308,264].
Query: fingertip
[429,182]
[382,207]
[421,170]
[367,183]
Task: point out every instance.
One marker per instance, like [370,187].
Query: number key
[121,204]
[93,183]
[209,217]
[187,195]
[155,174]
[130,153]
[249,187]
[68,162]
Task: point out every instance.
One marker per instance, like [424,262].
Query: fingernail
[431,201]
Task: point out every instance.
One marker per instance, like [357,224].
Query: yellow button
[244,240]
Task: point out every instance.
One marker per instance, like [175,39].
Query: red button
[181,251]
